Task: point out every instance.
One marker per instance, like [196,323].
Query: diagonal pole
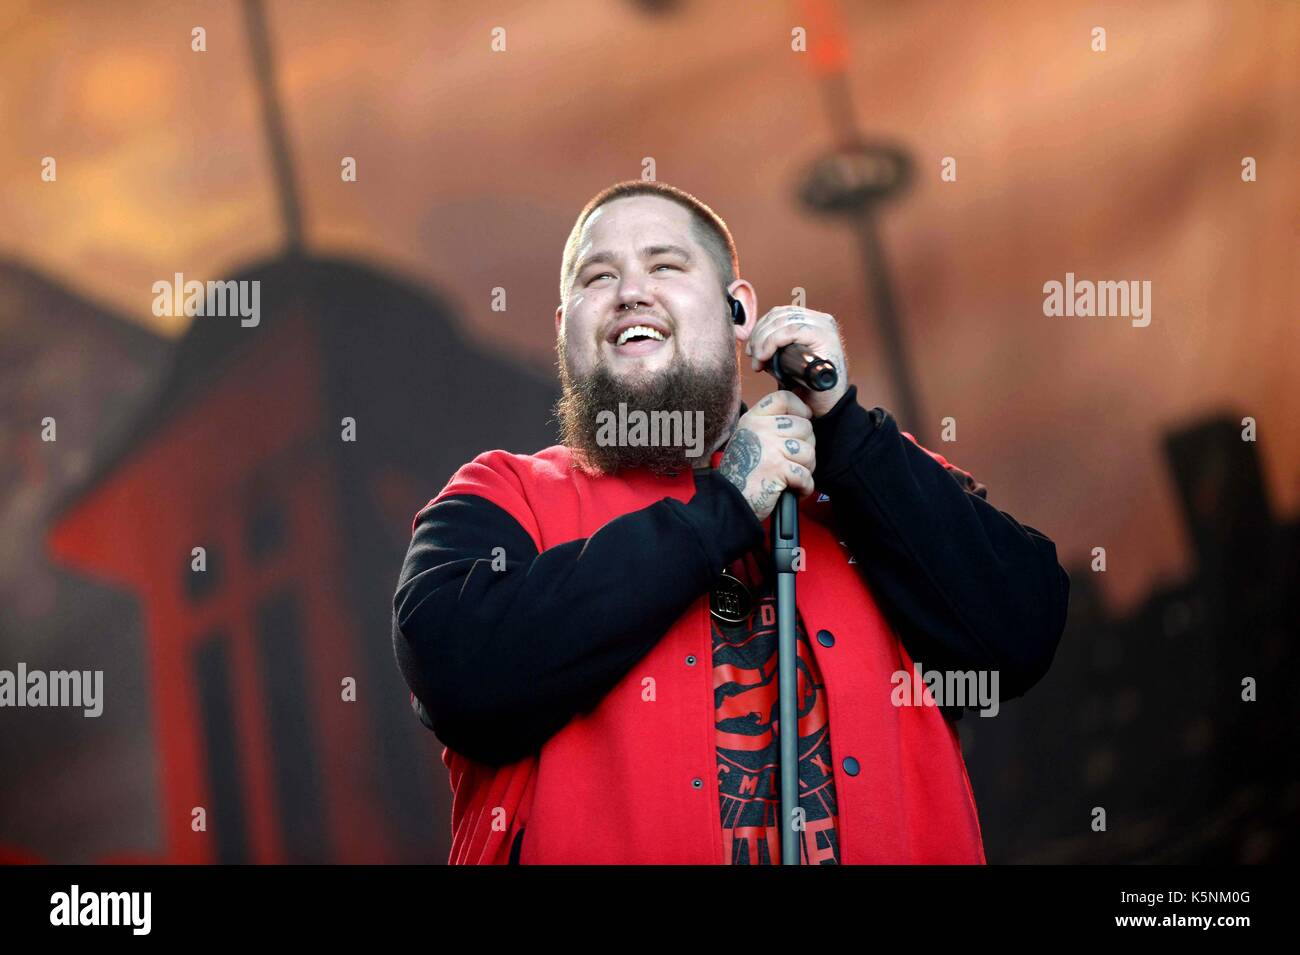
[880,173]
[273,124]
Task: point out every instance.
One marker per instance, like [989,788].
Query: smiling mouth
[637,340]
[639,333]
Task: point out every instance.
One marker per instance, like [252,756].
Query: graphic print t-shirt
[747,705]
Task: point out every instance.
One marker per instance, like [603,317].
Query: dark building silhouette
[242,452]
[1143,714]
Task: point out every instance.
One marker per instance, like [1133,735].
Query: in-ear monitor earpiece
[737,310]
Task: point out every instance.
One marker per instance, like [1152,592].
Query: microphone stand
[785,540]
[792,364]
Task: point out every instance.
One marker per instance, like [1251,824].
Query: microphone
[795,364]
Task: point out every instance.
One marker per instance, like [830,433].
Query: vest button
[690,660]
[826,638]
[697,782]
[851,765]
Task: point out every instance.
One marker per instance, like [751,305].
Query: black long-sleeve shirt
[497,667]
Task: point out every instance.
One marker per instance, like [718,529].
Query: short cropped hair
[708,229]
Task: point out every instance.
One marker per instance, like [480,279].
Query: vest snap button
[690,660]
[697,782]
[826,638]
[851,765]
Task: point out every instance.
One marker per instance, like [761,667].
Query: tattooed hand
[818,330]
[771,449]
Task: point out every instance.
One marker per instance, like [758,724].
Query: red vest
[635,779]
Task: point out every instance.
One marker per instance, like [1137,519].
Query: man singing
[590,630]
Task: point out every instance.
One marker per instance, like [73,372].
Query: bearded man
[590,630]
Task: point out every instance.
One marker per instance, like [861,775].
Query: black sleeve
[965,585]
[501,659]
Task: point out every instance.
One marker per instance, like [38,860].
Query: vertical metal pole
[785,540]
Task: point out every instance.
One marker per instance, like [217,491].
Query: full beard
[683,388]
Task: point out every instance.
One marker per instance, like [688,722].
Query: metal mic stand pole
[785,539]
[791,364]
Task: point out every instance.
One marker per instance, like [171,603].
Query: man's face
[674,352]
[642,251]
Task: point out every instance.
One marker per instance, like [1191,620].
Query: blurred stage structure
[1143,714]
[241,452]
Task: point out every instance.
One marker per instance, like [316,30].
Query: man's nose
[633,293]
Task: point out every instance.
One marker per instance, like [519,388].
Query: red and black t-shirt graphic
[746,700]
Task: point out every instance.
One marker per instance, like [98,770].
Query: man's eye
[661,265]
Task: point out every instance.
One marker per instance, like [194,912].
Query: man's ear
[744,292]
[559,317]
